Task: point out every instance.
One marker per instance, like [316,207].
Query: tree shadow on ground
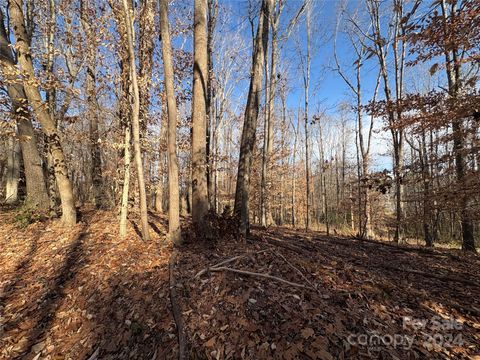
[41,311]
[93,300]
[8,291]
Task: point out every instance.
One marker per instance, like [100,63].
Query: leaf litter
[82,293]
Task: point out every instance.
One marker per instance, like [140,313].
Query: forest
[239,179]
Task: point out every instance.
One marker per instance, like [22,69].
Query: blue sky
[327,89]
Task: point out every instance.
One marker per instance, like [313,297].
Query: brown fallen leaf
[211,342]
[38,347]
[307,332]
[323,355]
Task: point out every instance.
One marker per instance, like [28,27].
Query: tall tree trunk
[126,180]
[35,180]
[145,54]
[210,116]
[174,230]
[136,122]
[323,183]
[50,98]
[294,179]
[269,121]
[247,143]
[200,83]
[281,218]
[306,83]
[69,216]
[162,157]
[394,117]
[454,85]
[92,106]
[145,62]
[263,180]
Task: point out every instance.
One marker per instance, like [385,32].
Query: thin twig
[296,269]
[266,276]
[201,272]
[227,261]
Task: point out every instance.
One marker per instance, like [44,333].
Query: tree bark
[162,157]
[211,134]
[69,216]
[126,180]
[306,83]
[13,171]
[37,195]
[199,102]
[92,106]
[454,85]
[173,187]
[136,123]
[145,52]
[267,218]
[241,208]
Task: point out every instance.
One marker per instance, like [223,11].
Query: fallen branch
[432,275]
[177,314]
[265,276]
[281,243]
[398,247]
[297,270]
[201,272]
[227,261]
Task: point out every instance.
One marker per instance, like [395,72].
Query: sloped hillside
[284,294]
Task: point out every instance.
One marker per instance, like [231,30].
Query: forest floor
[83,293]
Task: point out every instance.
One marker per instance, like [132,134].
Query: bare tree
[453,71]
[357,40]
[306,67]
[87,14]
[35,180]
[211,141]
[42,112]
[199,114]
[266,214]
[174,231]
[241,208]
[136,121]
[380,46]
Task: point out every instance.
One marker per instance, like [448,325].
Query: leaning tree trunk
[69,215]
[37,195]
[200,81]
[136,123]
[174,231]
[241,208]
[35,180]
